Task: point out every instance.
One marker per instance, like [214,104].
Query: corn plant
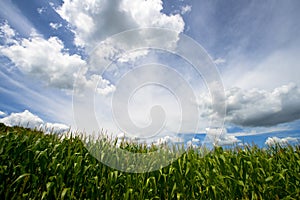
[34,165]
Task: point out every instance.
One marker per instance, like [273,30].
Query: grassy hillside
[40,166]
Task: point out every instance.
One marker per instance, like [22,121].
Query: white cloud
[259,108]
[104,86]
[6,31]
[281,141]
[48,60]
[92,22]
[219,136]
[95,21]
[121,136]
[2,113]
[55,128]
[101,85]
[226,140]
[45,59]
[167,140]
[219,61]
[186,9]
[262,108]
[148,14]
[29,120]
[194,143]
[24,119]
[55,26]
[41,10]
[15,17]
[191,145]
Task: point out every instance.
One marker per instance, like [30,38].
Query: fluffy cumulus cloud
[218,136]
[43,58]
[262,108]
[55,127]
[49,61]
[281,141]
[227,140]
[259,108]
[96,21]
[24,119]
[29,120]
[93,21]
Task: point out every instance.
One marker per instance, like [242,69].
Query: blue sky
[254,45]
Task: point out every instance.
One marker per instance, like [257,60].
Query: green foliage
[34,165]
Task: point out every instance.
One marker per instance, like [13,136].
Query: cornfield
[34,165]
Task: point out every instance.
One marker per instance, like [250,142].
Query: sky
[88,65]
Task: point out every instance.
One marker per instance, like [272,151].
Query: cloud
[226,140]
[219,61]
[218,136]
[41,10]
[96,82]
[121,136]
[24,119]
[185,9]
[45,59]
[168,140]
[55,26]
[91,22]
[191,145]
[258,107]
[6,31]
[194,143]
[49,61]
[10,12]
[279,67]
[281,141]
[28,120]
[55,128]
[2,113]
[95,21]
[262,108]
